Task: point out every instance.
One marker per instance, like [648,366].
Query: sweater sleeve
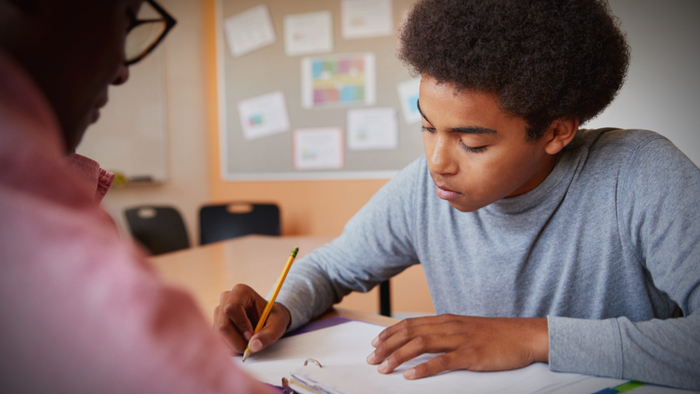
[659,221]
[374,246]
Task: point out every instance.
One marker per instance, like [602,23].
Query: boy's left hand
[473,343]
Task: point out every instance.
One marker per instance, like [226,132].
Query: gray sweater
[605,248]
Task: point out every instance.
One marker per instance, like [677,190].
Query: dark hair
[544,59]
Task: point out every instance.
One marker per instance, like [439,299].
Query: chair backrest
[159,228]
[220,222]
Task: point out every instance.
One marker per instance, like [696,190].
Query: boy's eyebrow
[421,112]
[473,130]
[467,130]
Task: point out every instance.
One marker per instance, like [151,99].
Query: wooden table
[256,260]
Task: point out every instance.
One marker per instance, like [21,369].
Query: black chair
[225,221]
[384,299]
[159,228]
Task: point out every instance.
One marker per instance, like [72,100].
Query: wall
[187,184]
[662,90]
[307,207]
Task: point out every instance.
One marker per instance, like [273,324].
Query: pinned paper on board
[408,96]
[338,80]
[249,30]
[372,128]
[319,148]
[367,18]
[308,33]
[263,115]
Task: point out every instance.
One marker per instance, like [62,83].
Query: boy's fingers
[400,335]
[238,317]
[231,317]
[407,325]
[227,322]
[274,328]
[436,365]
[415,347]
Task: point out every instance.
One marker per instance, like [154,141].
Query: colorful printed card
[338,80]
[319,148]
[263,115]
[372,128]
[408,96]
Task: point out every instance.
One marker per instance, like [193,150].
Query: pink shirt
[81,309]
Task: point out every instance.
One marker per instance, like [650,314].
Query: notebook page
[343,349]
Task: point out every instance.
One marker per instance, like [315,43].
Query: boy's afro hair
[544,59]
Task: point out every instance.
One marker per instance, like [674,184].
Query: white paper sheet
[249,30]
[263,115]
[373,128]
[308,33]
[342,350]
[318,148]
[338,80]
[367,18]
[408,96]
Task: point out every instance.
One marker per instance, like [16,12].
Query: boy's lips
[446,194]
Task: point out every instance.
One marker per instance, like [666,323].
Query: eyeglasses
[146,31]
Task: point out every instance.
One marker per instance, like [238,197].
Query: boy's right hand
[237,315]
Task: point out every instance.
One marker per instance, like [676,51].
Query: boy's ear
[559,134]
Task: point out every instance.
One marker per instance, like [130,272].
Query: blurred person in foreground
[540,241]
[82,310]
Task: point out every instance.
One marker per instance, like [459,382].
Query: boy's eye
[470,149]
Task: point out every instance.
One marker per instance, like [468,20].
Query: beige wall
[187,185]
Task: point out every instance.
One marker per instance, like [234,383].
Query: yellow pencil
[271,301]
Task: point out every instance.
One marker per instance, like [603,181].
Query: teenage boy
[82,310]
[540,242]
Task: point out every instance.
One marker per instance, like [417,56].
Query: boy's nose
[440,159]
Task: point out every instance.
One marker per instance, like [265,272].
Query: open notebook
[343,348]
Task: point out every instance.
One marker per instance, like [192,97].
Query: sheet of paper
[263,115]
[318,148]
[338,80]
[249,30]
[308,33]
[408,96]
[342,350]
[373,128]
[367,18]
